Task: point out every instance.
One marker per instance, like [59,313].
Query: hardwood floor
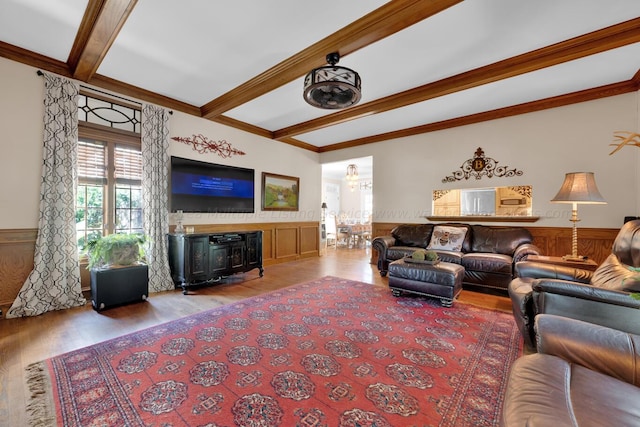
[27,340]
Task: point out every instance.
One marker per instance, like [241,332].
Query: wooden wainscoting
[595,243]
[284,242]
[281,242]
[17,247]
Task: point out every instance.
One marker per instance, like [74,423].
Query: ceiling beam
[101,23]
[578,47]
[512,110]
[390,18]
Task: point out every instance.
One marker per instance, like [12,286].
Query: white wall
[21,114]
[544,145]
[263,155]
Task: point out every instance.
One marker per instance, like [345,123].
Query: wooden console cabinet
[197,259]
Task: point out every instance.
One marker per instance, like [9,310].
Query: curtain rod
[40,73]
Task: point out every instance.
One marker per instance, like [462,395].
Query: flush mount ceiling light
[332,87]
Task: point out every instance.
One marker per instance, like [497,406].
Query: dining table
[357,234]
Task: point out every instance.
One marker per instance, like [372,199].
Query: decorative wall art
[279,192]
[480,166]
[202,144]
[623,138]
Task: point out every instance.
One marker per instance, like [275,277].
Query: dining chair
[332,235]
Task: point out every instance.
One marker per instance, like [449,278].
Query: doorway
[350,200]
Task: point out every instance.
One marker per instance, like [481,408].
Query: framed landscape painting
[279,192]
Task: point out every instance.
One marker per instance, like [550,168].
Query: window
[109,192]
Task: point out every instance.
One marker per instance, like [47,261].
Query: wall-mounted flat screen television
[208,187]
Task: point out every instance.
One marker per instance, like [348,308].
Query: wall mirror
[501,202]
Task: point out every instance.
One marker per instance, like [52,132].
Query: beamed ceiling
[425,65]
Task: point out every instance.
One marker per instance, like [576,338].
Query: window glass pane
[136,219]
[95,218]
[136,198]
[94,196]
[81,198]
[122,219]
[80,218]
[123,197]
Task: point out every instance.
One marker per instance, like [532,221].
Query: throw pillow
[447,238]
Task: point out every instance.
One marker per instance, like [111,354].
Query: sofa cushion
[414,235]
[399,252]
[450,256]
[447,238]
[490,263]
[499,240]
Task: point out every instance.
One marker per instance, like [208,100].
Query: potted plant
[119,274]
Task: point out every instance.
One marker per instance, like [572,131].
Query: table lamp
[578,188]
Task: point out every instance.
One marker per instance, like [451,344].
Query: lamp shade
[324,206]
[579,187]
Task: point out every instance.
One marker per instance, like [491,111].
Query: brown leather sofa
[601,297]
[584,375]
[488,254]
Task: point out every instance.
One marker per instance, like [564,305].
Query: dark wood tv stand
[202,258]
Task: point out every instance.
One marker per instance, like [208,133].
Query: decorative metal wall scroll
[202,145]
[480,166]
[622,138]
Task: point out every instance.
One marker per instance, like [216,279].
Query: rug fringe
[40,406]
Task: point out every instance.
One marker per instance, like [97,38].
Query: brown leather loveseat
[488,254]
[584,375]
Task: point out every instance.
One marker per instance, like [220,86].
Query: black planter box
[117,286]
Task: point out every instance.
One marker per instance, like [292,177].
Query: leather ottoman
[442,280]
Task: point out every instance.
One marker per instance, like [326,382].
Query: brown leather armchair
[600,297]
[583,375]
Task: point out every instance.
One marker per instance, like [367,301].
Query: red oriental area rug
[329,352]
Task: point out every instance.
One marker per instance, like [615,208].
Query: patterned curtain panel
[54,282]
[155,176]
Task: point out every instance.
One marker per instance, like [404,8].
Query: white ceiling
[191,52]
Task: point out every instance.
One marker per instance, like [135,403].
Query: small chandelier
[332,87]
[352,176]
